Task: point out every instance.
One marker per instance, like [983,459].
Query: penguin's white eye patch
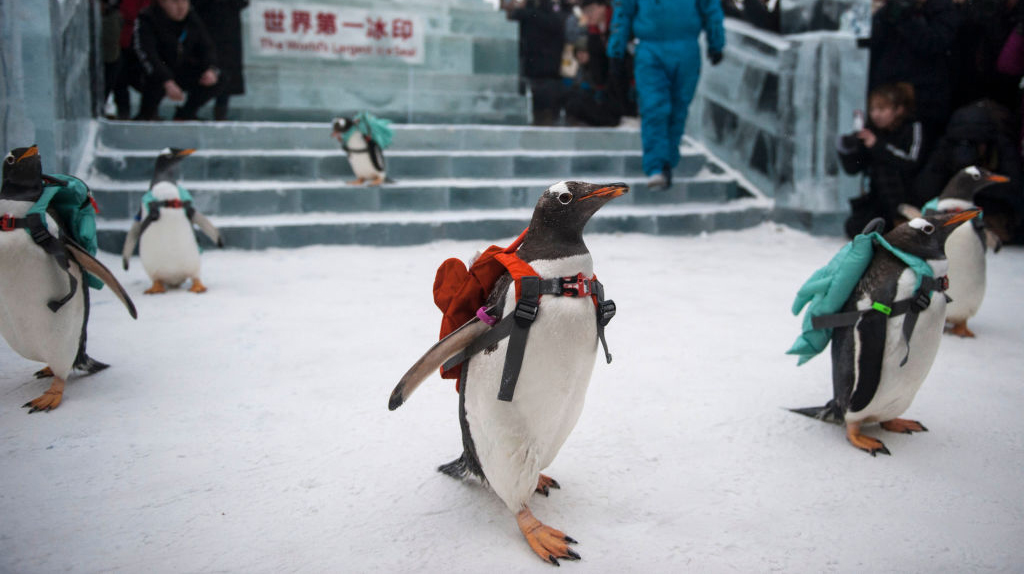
[922,224]
[9,159]
[973,172]
[565,198]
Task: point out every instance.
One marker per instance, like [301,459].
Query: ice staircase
[284,184]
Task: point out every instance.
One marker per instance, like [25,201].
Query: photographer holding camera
[911,41]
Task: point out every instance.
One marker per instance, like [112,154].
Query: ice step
[254,198]
[407,228]
[299,136]
[419,164]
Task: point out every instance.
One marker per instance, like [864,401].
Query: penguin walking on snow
[39,317]
[365,153]
[888,333]
[163,229]
[966,246]
[507,443]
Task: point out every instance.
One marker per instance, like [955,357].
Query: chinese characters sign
[328,31]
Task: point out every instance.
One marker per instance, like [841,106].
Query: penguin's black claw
[552,560]
[573,556]
[571,541]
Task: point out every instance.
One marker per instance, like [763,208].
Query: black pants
[188,80]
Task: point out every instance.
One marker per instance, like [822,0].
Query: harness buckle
[922,301]
[605,312]
[943,283]
[577,286]
[526,312]
[174,204]
[7,223]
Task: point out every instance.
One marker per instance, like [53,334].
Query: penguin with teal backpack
[47,243]
[364,137]
[881,303]
[163,229]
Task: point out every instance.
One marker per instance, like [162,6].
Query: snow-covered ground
[247,430]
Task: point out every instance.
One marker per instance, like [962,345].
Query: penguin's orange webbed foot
[157,287]
[376,181]
[356,182]
[197,286]
[865,442]
[545,484]
[907,426]
[43,373]
[50,399]
[960,329]
[548,543]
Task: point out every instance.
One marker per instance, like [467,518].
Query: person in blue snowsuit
[667,67]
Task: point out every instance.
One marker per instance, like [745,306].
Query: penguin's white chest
[966,255]
[359,157]
[168,248]
[515,440]
[29,279]
[898,384]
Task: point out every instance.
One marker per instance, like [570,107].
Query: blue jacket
[665,20]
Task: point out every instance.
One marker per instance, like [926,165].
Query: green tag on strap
[882,308]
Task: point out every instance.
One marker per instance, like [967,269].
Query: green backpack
[70,201]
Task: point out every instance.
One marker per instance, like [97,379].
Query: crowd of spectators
[944,94]
[187,51]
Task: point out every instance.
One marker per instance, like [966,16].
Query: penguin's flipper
[992,241]
[130,241]
[376,154]
[208,228]
[93,266]
[435,357]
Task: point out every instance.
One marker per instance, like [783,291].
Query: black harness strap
[516,325]
[524,315]
[154,211]
[36,227]
[911,306]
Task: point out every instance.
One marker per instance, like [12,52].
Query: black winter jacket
[166,48]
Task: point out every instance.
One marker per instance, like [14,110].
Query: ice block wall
[467,71]
[46,68]
[774,107]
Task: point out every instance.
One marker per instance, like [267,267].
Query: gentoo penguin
[508,443]
[163,229]
[966,246]
[882,355]
[364,154]
[39,317]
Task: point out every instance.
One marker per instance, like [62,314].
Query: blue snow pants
[666,75]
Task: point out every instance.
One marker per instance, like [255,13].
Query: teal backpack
[825,292]
[70,201]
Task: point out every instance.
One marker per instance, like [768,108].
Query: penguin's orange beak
[186,152]
[997,179]
[32,151]
[962,217]
[610,191]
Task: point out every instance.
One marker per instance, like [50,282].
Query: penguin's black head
[22,175]
[166,167]
[969,181]
[562,211]
[925,237]
[340,125]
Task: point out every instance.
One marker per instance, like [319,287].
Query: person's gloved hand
[714,57]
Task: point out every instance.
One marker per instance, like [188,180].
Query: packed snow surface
[247,430]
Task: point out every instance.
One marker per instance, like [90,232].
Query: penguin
[508,444]
[364,154]
[163,229]
[966,247]
[39,318]
[877,368]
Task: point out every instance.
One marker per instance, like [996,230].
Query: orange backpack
[461,293]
